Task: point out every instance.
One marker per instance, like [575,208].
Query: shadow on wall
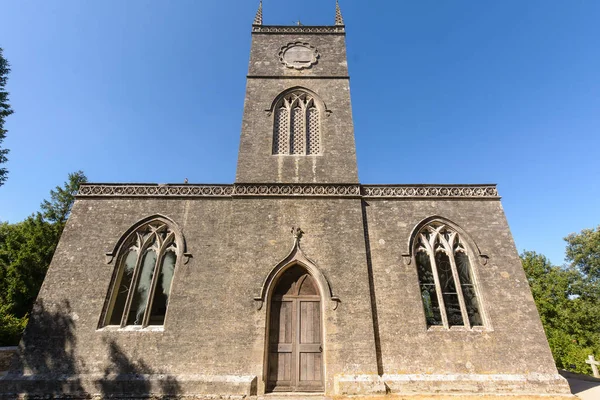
[48,366]
[124,377]
[47,350]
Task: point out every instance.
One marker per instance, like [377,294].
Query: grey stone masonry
[6,356]
[327,79]
[221,329]
[485,191]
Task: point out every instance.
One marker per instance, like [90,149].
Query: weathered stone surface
[514,333]
[214,329]
[214,342]
[6,356]
[267,78]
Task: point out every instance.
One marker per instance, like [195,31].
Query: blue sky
[450,91]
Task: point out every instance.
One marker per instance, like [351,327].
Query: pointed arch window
[297,125]
[146,263]
[446,281]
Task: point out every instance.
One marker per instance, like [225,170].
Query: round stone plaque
[298,55]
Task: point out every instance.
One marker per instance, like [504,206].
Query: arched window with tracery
[446,279]
[143,276]
[297,125]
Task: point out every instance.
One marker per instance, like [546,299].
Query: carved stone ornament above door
[299,55]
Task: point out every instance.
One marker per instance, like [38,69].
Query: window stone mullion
[305,128]
[457,282]
[134,282]
[160,253]
[290,133]
[436,278]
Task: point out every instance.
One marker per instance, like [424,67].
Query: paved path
[584,389]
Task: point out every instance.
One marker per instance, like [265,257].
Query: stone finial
[339,20]
[298,233]
[259,15]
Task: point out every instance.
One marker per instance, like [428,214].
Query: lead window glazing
[446,279]
[142,284]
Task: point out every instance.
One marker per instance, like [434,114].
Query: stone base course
[312,397]
[6,355]
[128,386]
[473,383]
[245,387]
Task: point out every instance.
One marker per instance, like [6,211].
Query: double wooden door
[295,335]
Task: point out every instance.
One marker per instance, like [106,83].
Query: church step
[293,396]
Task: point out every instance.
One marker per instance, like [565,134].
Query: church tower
[297,125]
[296,278]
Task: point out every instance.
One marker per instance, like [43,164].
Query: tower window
[446,282]
[297,125]
[144,273]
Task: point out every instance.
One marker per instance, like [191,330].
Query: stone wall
[6,357]
[337,164]
[214,334]
[268,77]
[511,352]
[264,55]
[213,340]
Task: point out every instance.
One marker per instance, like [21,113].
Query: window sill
[297,155]
[115,328]
[438,328]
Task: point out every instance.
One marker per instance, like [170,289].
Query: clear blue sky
[448,91]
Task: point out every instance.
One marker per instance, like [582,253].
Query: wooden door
[295,362]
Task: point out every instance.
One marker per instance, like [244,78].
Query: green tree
[5,111]
[569,310]
[58,208]
[26,250]
[583,251]
[11,327]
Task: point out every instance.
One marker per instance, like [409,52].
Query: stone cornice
[298,29]
[488,191]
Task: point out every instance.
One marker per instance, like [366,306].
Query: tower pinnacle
[339,20]
[258,20]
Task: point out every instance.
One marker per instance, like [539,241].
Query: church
[296,280]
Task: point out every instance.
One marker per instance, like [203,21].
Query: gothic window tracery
[446,280]
[144,273]
[297,125]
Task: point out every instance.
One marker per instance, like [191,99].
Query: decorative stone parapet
[298,29]
[434,191]
[152,190]
[292,190]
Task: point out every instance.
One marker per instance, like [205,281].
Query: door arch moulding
[297,257]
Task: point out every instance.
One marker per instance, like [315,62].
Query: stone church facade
[294,279]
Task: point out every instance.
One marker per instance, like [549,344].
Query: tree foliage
[26,249]
[58,208]
[5,111]
[11,327]
[583,251]
[569,305]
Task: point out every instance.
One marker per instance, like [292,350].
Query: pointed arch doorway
[295,353]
